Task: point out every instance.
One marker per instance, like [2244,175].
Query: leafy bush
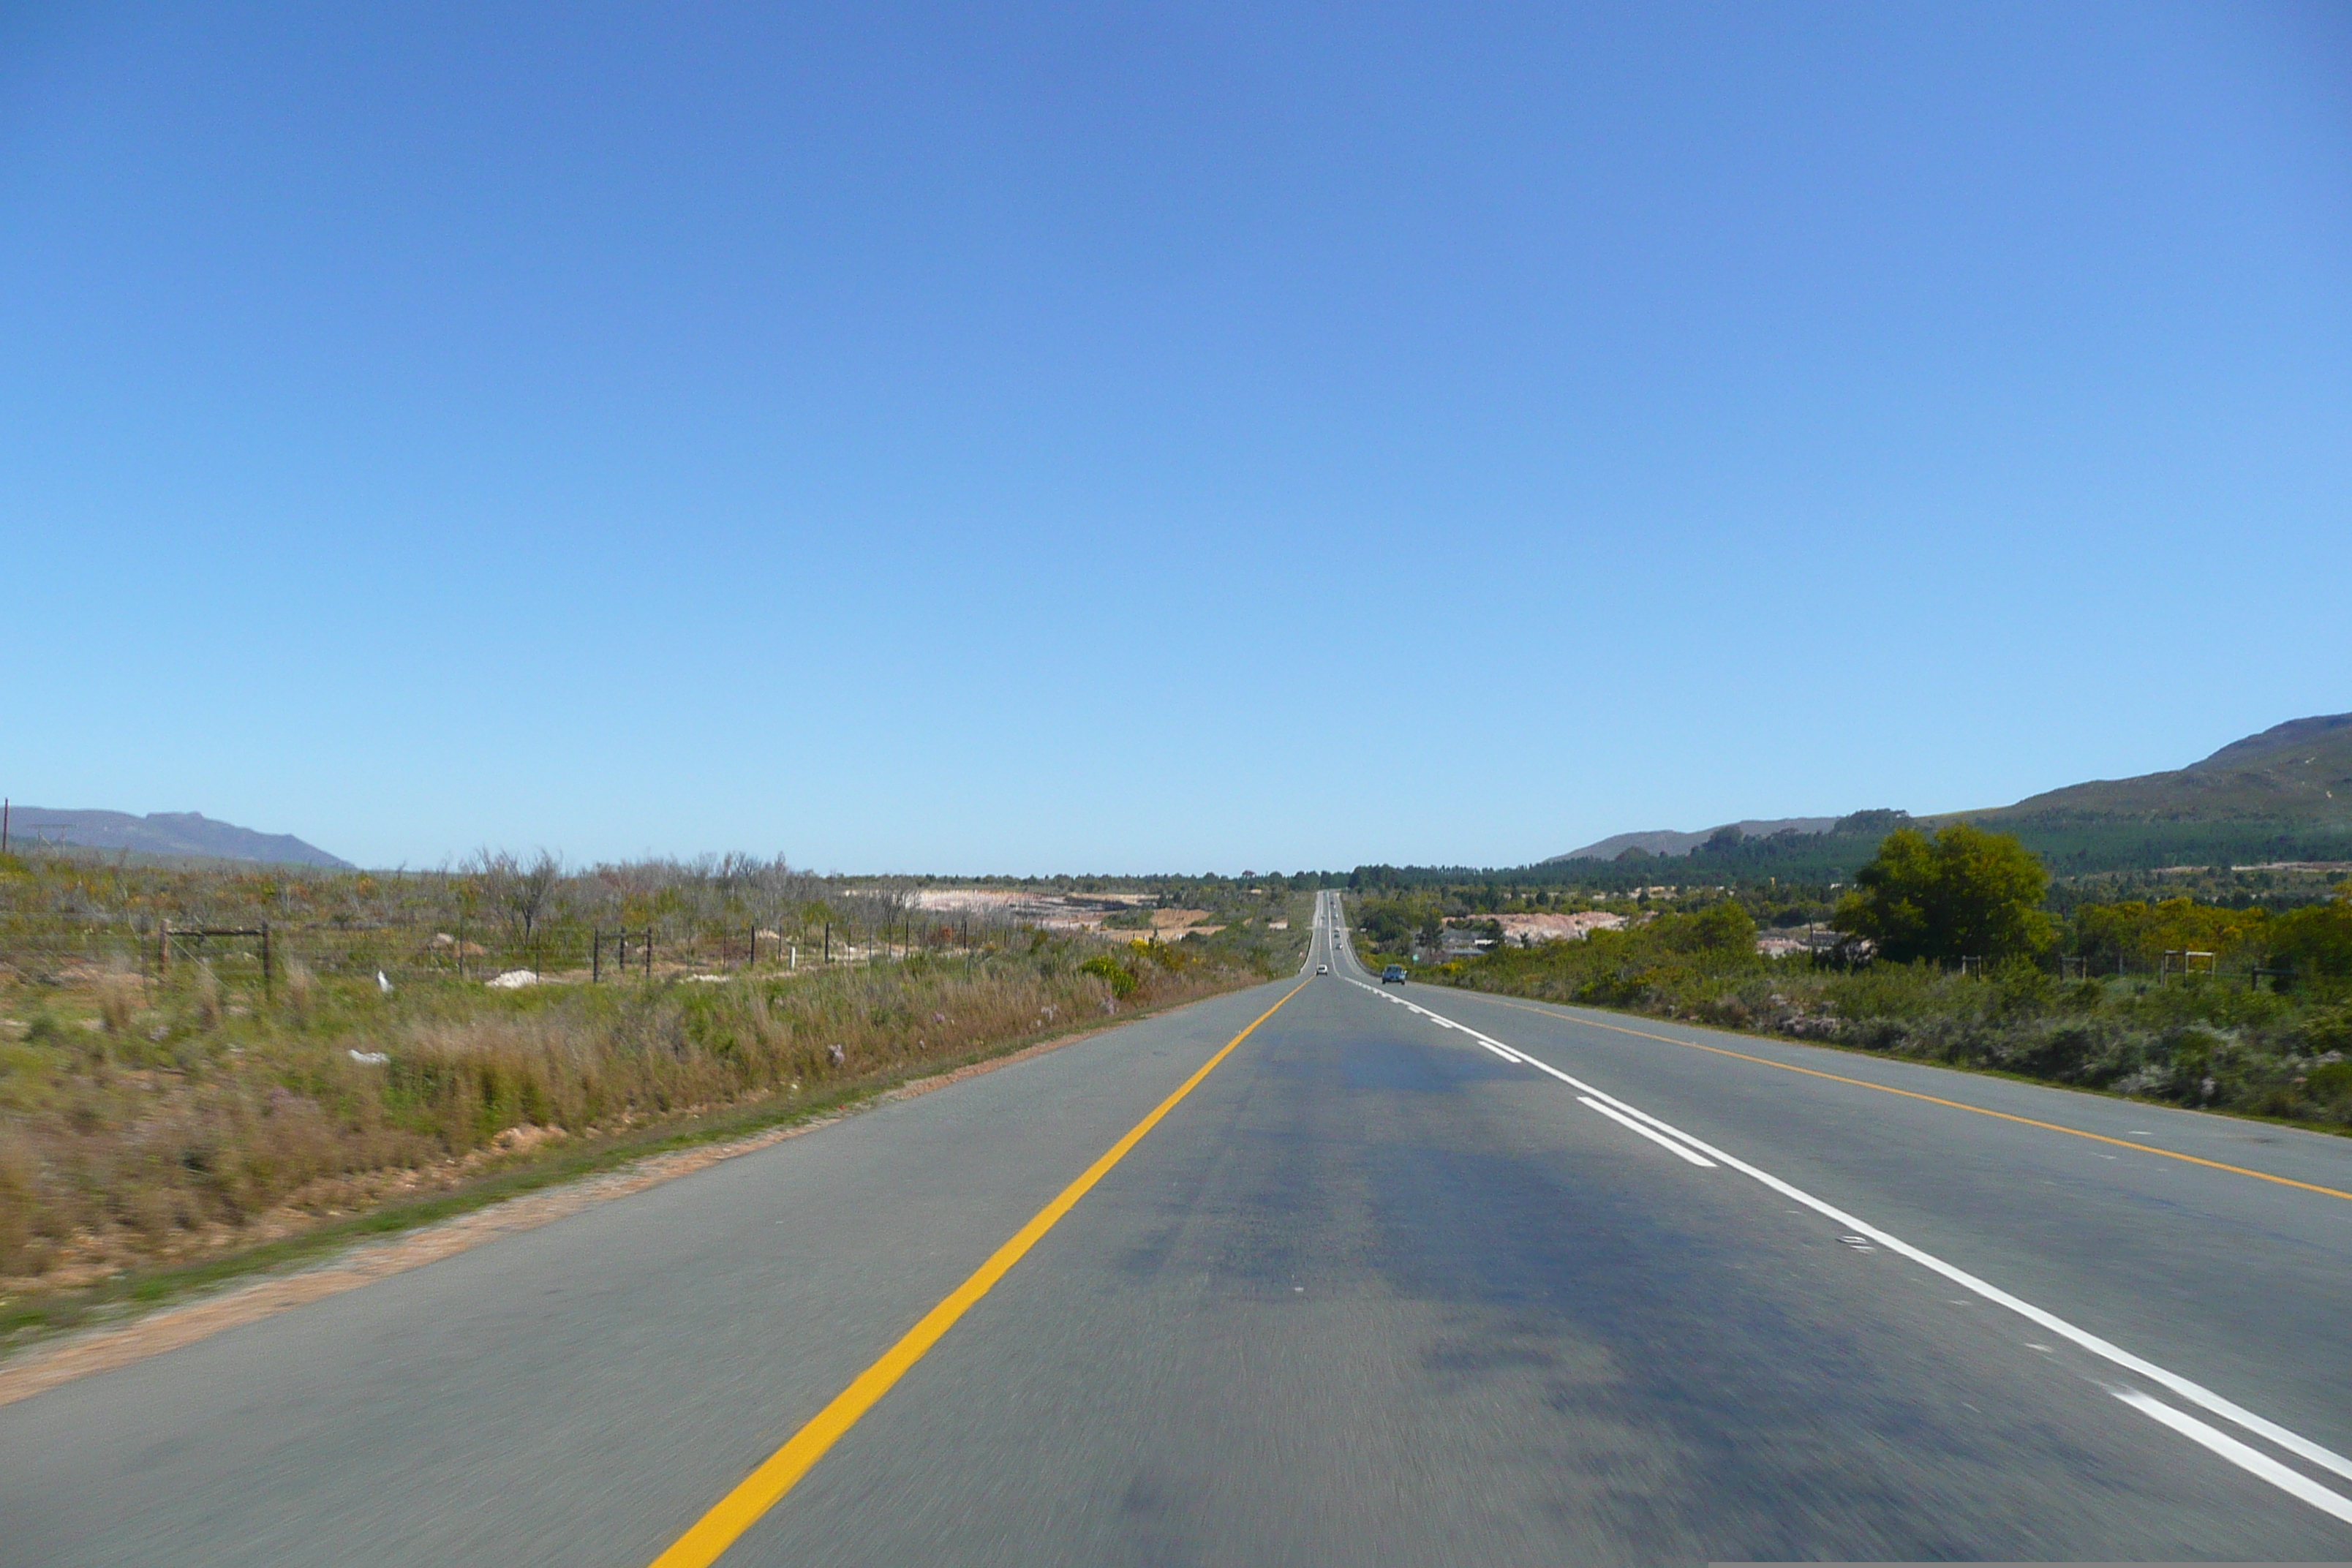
[2135,933]
[2316,941]
[2206,1040]
[2331,1084]
[1122,980]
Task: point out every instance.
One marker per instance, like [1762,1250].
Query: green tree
[1720,927]
[2318,939]
[2138,931]
[1963,893]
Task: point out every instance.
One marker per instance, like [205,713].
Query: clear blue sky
[970,438]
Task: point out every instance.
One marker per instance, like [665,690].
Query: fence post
[265,960]
[163,946]
[596,955]
[649,953]
[828,941]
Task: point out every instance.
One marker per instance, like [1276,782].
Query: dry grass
[300,984]
[207,995]
[119,994]
[191,1120]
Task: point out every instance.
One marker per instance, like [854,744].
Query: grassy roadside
[1971,1069]
[2200,1042]
[162,1136]
[33,1317]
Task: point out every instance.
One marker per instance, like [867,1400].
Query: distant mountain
[2293,778]
[2298,770]
[1667,841]
[173,833]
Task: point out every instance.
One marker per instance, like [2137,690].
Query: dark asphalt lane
[1369,1294]
[577,1394]
[2240,1284]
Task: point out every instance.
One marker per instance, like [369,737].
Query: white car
[1322,969]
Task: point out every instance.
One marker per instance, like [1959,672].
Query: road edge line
[1914,1094]
[2195,1393]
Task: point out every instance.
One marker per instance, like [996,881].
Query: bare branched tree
[519,890]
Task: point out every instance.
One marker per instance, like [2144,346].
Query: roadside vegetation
[1948,948]
[2228,861]
[163,1102]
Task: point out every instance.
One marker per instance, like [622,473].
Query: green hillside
[2298,773]
[2070,844]
[2282,796]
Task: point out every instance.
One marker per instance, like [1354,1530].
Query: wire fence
[54,949]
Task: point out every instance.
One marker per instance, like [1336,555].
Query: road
[1408,1275]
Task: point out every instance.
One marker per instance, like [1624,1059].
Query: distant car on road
[1322,969]
[1393,972]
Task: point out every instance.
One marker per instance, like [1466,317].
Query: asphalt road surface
[1411,1276]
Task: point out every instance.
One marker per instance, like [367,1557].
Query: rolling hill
[175,834]
[2283,795]
[1667,841]
[2300,770]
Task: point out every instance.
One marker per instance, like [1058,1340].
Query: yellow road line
[1930,1098]
[760,1490]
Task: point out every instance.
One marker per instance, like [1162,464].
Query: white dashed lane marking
[1699,1153]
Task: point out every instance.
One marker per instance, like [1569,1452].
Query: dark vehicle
[1393,972]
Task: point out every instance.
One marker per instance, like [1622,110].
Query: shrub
[2331,1084]
[269,1110]
[1121,979]
[2315,941]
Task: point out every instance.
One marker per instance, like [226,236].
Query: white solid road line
[2250,1460]
[1668,1144]
[2239,1454]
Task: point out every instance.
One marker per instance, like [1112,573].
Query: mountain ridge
[2299,773]
[189,833]
[2290,771]
[1671,842]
